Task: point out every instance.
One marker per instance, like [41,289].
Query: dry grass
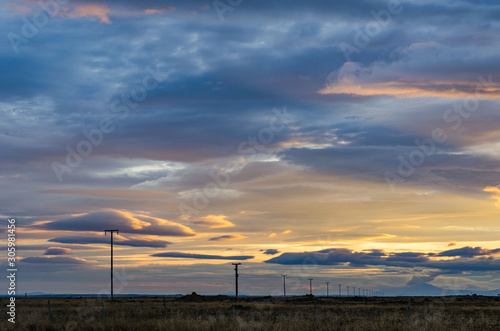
[206,313]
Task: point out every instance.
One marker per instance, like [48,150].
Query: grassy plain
[194,312]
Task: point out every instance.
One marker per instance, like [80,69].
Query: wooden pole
[103,311]
[236,277]
[409,311]
[284,285]
[164,308]
[117,232]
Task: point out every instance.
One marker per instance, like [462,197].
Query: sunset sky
[349,141]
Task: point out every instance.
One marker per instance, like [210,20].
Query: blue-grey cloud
[203,256]
[54,260]
[342,256]
[469,252]
[57,251]
[227,237]
[135,242]
[125,222]
[270,251]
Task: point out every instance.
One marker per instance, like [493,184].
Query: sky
[352,141]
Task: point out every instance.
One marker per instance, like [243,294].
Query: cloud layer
[226,134]
[337,256]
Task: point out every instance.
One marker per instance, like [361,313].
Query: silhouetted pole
[327,283]
[310,286]
[284,285]
[236,277]
[106,232]
[340,291]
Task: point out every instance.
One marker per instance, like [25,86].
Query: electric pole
[327,283]
[340,291]
[310,286]
[105,233]
[284,285]
[236,277]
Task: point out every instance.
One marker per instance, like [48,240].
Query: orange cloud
[18,8]
[159,11]
[213,221]
[496,193]
[354,80]
[91,10]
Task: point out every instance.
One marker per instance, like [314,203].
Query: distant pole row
[366,292]
[361,292]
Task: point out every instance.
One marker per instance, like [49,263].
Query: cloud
[110,194]
[117,240]
[496,193]
[341,256]
[227,237]
[470,252]
[124,221]
[213,221]
[423,279]
[270,251]
[91,10]
[353,79]
[159,11]
[202,256]
[57,251]
[54,260]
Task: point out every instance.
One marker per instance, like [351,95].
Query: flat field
[195,312]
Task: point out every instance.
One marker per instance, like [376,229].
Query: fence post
[103,311]
[164,308]
[409,311]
